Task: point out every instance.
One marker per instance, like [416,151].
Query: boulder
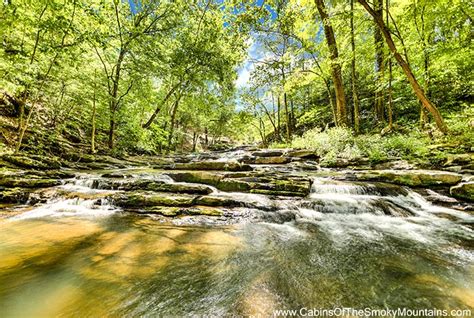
[464,190]
[413,178]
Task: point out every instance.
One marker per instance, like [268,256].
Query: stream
[356,244]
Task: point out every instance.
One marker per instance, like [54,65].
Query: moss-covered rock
[211,200]
[14,195]
[302,153]
[137,200]
[463,191]
[179,211]
[26,182]
[414,178]
[30,163]
[268,153]
[152,185]
[209,165]
[203,177]
[272,160]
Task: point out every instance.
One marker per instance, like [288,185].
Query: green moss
[463,191]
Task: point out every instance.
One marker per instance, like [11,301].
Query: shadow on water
[123,264]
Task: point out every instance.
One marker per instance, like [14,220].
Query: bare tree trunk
[379,64]
[407,70]
[335,65]
[355,97]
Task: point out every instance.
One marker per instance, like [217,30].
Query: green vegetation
[394,78]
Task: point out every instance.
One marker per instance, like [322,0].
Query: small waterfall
[349,198]
[70,207]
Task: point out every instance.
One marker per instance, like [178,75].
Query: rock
[268,153]
[178,211]
[464,190]
[459,159]
[14,195]
[196,177]
[275,185]
[152,185]
[148,199]
[114,175]
[271,160]
[28,182]
[211,200]
[29,163]
[414,178]
[302,153]
[396,165]
[208,165]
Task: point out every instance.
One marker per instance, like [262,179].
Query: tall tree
[406,69]
[379,64]
[355,97]
[335,64]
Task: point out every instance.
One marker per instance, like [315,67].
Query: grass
[414,146]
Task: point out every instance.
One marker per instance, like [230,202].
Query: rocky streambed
[245,231]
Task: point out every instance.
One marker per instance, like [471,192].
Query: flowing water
[347,244]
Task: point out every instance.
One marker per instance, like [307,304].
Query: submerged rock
[463,190]
[414,178]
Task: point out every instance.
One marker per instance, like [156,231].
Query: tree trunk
[114,100]
[158,108]
[279,120]
[407,70]
[379,64]
[390,77]
[93,118]
[173,117]
[355,97]
[335,65]
[287,118]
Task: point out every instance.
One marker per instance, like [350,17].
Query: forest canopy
[146,76]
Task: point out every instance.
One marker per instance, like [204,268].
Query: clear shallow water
[73,258]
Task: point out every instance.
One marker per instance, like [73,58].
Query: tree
[406,69]
[335,64]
